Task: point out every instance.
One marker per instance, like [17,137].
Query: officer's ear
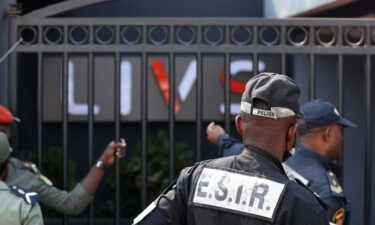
[327,134]
[292,135]
[239,124]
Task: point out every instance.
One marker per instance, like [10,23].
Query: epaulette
[29,197]
[30,166]
[334,184]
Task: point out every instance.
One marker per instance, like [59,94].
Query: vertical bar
[40,108]
[13,80]
[340,77]
[171,115]
[255,55]
[283,43]
[227,92]
[144,109]
[255,35]
[199,100]
[312,77]
[312,66]
[255,64]
[227,60]
[368,141]
[117,133]
[283,63]
[199,35]
[199,105]
[340,102]
[90,96]
[144,127]
[227,35]
[65,124]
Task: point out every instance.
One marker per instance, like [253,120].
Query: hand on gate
[213,132]
[113,151]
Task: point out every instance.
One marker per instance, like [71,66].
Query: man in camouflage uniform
[27,175]
[17,206]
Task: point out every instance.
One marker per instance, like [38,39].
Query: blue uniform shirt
[319,175]
[229,146]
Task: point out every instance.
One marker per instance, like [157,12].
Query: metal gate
[297,44]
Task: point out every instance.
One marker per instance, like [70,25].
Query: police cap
[321,113]
[280,92]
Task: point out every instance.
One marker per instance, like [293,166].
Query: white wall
[286,8]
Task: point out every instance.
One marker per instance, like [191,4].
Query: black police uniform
[319,174]
[251,188]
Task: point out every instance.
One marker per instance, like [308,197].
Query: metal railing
[199,37]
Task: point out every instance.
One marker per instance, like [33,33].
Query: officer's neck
[316,145]
[275,147]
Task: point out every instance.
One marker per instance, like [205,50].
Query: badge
[240,193]
[29,197]
[339,217]
[45,180]
[334,183]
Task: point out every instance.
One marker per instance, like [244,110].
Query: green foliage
[157,174]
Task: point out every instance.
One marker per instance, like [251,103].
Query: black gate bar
[312,77]
[227,114]
[90,97]
[368,147]
[117,134]
[144,111]
[172,77]
[40,109]
[199,104]
[65,123]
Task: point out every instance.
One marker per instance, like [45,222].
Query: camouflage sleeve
[71,203]
[32,215]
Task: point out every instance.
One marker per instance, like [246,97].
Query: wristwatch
[99,164]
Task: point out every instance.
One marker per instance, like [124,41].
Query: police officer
[313,163]
[321,143]
[250,188]
[18,206]
[27,175]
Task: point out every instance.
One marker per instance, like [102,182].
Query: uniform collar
[3,186]
[269,158]
[325,162]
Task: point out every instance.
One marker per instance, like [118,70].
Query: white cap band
[274,113]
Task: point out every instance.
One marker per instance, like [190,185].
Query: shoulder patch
[30,166]
[293,175]
[334,183]
[339,217]
[29,197]
[237,192]
[45,180]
